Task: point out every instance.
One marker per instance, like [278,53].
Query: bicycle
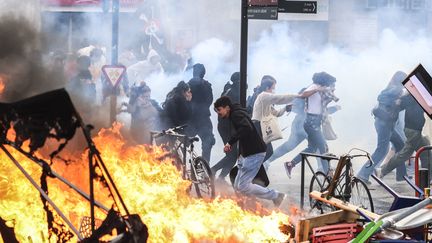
[342,184]
[193,167]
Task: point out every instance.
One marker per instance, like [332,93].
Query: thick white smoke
[282,49]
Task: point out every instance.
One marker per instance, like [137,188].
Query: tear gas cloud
[22,65]
[283,50]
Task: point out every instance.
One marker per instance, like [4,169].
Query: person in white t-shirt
[315,108]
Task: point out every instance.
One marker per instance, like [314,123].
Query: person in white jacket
[142,70]
[265,101]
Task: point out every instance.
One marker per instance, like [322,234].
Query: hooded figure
[225,129]
[232,90]
[386,114]
[202,99]
[141,70]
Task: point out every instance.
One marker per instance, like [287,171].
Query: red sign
[263,2]
[71,2]
[88,2]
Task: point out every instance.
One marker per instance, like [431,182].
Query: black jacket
[232,91]
[177,111]
[250,142]
[202,93]
[414,117]
[224,125]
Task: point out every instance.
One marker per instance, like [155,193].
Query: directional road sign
[307,7]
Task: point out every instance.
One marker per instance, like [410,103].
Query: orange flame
[151,188]
[3,80]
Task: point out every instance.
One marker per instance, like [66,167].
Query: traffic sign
[114,73]
[308,7]
[262,13]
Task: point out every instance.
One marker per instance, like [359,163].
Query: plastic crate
[337,233]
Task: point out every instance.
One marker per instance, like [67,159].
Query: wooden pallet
[304,226]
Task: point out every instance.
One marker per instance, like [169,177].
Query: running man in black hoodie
[252,150]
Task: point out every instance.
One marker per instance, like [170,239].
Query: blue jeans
[386,133]
[248,168]
[316,141]
[297,135]
[226,163]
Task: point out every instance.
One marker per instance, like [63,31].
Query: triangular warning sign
[114,73]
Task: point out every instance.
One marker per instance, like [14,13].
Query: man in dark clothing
[252,150]
[81,86]
[414,122]
[202,98]
[225,129]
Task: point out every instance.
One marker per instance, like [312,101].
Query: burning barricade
[109,192]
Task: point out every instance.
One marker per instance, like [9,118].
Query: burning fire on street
[3,80]
[150,187]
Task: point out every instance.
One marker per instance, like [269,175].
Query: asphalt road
[382,199]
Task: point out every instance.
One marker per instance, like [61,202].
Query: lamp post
[114,56]
[243,52]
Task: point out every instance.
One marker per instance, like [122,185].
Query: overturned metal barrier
[52,115]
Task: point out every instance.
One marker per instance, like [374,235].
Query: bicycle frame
[305,162]
[193,167]
[344,189]
[344,161]
[184,144]
[188,152]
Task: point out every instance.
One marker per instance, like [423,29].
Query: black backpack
[227,90]
[250,102]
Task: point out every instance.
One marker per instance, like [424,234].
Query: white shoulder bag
[269,127]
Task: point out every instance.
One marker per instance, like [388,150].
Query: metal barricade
[304,160]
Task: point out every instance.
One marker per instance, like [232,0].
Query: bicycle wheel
[319,182]
[360,195]
[202,178]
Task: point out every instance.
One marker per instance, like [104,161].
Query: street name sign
[262,13]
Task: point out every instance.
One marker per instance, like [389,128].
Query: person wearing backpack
[386,114]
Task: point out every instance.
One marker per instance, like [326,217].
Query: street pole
[243,52]
[114,56]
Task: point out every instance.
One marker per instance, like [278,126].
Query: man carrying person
[252,150]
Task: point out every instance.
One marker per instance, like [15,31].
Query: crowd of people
[247,152]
